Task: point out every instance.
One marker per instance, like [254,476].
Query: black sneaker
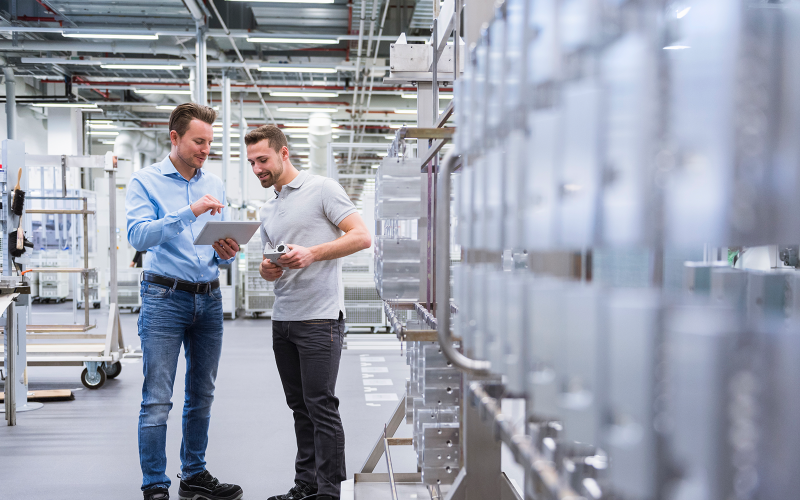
[204,486]
[300,490]
[156,494]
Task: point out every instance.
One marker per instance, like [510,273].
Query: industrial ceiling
[135,59]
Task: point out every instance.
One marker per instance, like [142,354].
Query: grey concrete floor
[87,448]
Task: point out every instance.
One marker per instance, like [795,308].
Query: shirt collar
[167,168]
[296,182]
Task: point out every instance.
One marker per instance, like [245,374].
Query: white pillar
[64,131]
[226,127]
[201,73]
[244,167]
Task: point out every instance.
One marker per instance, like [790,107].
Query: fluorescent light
[163,91]
[304,94]
[406,111]
[301,145]
[98,122]
[165,67]
[376,166]
[445,96]
[677,47]
[394,125]
[107,142]
[284,1]
[302,153]
[102,125]
[683,12]
[381,154]
[118,36]
[408,96]
[334,137]
[103,132]
[318,41]
[302,136]
[165,106]
[296,69]
[389,137]
[219,134]
[65,105]
[307,110]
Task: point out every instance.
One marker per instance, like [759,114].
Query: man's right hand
[205,204]
[270,271]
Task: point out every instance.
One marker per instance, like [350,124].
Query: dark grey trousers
[307,354]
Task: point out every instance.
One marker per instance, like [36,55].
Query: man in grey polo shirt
[316,219]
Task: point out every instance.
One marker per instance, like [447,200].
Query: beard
[271,178]
[188,160]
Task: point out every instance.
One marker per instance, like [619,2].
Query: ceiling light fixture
[296,69]
[102,125]
[300,145]
[118,36]
[304,94]
[163,91]
[107,142]
[405,111]
[164,67]
[65,105]
[166,107]
[307,110]
[284,1]
[103,132]
[316,41]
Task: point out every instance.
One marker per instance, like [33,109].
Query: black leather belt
[184,286]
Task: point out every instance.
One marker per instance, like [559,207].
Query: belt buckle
[202,288]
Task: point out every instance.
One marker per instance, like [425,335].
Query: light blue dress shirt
[160,220]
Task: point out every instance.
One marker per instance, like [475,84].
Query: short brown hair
[183,114]
[270,133]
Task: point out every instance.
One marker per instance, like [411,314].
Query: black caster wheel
[96,382]
[114,370]
[96,305]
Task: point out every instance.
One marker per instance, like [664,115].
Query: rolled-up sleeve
[145,229]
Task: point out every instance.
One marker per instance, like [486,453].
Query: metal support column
[226,127]
[242,149]
[425,105]
[11,103]
[201,75]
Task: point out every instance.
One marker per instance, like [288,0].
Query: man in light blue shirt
[167,205]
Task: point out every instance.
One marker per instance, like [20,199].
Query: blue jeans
[168,319]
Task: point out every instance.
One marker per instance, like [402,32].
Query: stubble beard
[270,181]
[188,162]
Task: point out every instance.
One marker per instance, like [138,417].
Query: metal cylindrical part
[11,367]
[460,361]
[11,103]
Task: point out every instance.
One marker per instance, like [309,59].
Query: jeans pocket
[216,294]
[155,291]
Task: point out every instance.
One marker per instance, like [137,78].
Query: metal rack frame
[95,357]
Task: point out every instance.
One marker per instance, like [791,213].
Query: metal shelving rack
[76,344]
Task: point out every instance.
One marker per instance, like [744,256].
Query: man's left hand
[226,249]
[298,258]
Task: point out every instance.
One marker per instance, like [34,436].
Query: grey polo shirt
[307,212]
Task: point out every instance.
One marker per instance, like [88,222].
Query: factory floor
[87,448]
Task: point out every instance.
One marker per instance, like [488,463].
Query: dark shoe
[299,491]
[320,497]
[204,486]
[156,494]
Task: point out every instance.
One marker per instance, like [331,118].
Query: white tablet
[238,231]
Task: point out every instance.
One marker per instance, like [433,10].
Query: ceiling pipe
[11,100]
[110,47]
[358,65]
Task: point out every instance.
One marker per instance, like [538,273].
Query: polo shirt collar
[296,182]
[167,168]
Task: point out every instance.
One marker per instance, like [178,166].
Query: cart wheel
[114,370]
[96,305]
[97,383]
[79,306]
[135,310]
